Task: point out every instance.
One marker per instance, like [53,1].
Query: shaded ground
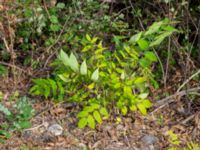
[132,132]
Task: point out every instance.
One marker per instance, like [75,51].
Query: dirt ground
[131,132]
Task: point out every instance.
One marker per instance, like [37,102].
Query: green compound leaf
[145,62]
[150,56]
[146,103]
[153,28]
[124,110]
[53,19]
[160,38]
[133,108]
[91,122]
[89,109]
[143,44]
[143,95]
[104,112]
[82,122]
[82,114]
[142,109]
[135,37]
[97,116]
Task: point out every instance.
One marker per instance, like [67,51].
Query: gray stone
[55,129]
[149,140]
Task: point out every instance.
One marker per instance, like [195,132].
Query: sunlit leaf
[139,80]
[4,110]
[95,106]
[82,114]
[82,122]
[54,19]
[145,62]
[133,108]
[91,86]
[88,37]
[97,116]
[88,109]
[153,28]
[142,108]
[104,112]
[150,56]
[91,122]
[95,75]
[83,68]
[147,103]
[73,63]
[143,44]
[160,38]
[135,38]
[143,95]
[124,110]
[64,58]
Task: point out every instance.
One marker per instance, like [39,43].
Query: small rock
[55,129]
[120,127]
[107,128]
[149,140]
[82,146]
[27,134]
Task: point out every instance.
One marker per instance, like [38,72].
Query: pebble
[55,129]
[120,127]
[149,140]
[107,128]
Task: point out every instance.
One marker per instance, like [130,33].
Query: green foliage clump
[98,77]
[175,143]
[17,119]
[48,87]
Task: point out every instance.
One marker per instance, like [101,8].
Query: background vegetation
[105,58]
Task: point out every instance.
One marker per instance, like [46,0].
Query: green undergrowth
[98,77]
[16,118]
[176,143]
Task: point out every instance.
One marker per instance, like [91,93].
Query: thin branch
[13,66]
[188,80]
[163,102]
[167,63]
[187,119]
[57,40]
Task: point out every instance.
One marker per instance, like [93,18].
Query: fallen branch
[163,102]
[188,80]
[13,66]
[185,121]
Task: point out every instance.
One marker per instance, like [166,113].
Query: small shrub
[175,143]
[98,76]
[17,119]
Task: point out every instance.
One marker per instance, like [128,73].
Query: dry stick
[13,66]
[122,11]
[6,45]
[59,36]
[188,119]
[167,64]
[163,102]
[48,108]
[188,80]
[45,7]
[168,57]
